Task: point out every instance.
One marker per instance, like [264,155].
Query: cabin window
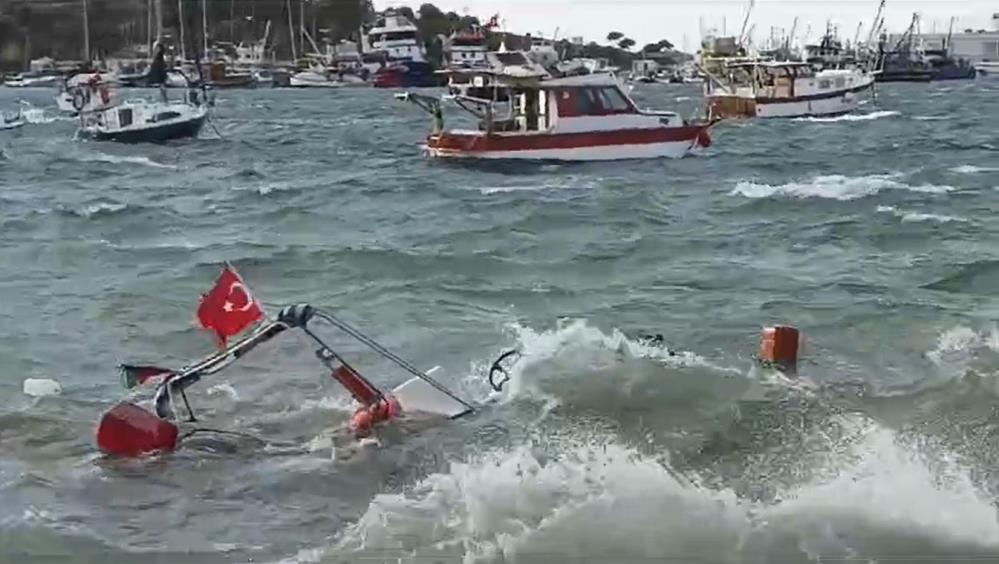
[824,84]
[163,116]
[125,117]
[614,100]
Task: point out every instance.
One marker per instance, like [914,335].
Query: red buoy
[129,430]
[779,346]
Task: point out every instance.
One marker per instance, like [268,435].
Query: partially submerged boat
[524,113]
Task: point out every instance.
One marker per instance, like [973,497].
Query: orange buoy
[367,417]
[779,346]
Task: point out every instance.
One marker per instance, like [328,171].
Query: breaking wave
[973,169]
[836,187]
[850,117]
[919,217]
[100,208]
[120,159]
[571,359]
[604,501]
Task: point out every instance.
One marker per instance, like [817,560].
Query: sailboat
[147,121]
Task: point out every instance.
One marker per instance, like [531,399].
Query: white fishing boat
[781,89]
[523,113]
[322,78]
[988,69]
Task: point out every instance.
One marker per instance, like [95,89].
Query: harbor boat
[905,61]
[143,121]
[947,67]
[11,121]
[784,89]
[324,78]
[523,113]
[34,79]
[406,66]
[988,69]
[466,49]
[147,121]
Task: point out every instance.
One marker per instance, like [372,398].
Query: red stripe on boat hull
[471,143]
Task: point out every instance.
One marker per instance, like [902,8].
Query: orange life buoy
[367,417]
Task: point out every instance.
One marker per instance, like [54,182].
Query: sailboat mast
[291,31]
[180,19]
[86,34]
[301,24]
[149,26]
[204,27]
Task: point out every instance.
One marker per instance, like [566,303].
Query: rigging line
[390,355]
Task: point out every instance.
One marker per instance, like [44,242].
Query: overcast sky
[648,21]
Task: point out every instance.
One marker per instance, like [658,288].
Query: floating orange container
[779,345]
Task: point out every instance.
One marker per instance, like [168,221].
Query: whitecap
[119,159]
[851,117]
[836,187]
[919,217]
[99,209]
[871,493]
[973,169]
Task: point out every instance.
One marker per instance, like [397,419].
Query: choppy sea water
[873,232]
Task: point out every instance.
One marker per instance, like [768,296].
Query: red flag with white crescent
[229,307]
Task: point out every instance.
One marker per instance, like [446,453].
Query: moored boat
[398,39]
[525,114]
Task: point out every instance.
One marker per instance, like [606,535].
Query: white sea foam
[606,501]
[100,208]
[919,217]
[123,159]
[957,346]
[836,187]
[850,117]
[932,118]
[973,169]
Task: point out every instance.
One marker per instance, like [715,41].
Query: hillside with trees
[31,29]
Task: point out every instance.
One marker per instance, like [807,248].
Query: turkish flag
[229,307]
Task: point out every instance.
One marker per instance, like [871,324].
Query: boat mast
[291,32]
[950,33]
[204,26]
[149,26]
[301,25]
[180,19]
[745,21]
[86,34]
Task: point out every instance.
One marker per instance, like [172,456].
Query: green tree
[626,44]
[614,36]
